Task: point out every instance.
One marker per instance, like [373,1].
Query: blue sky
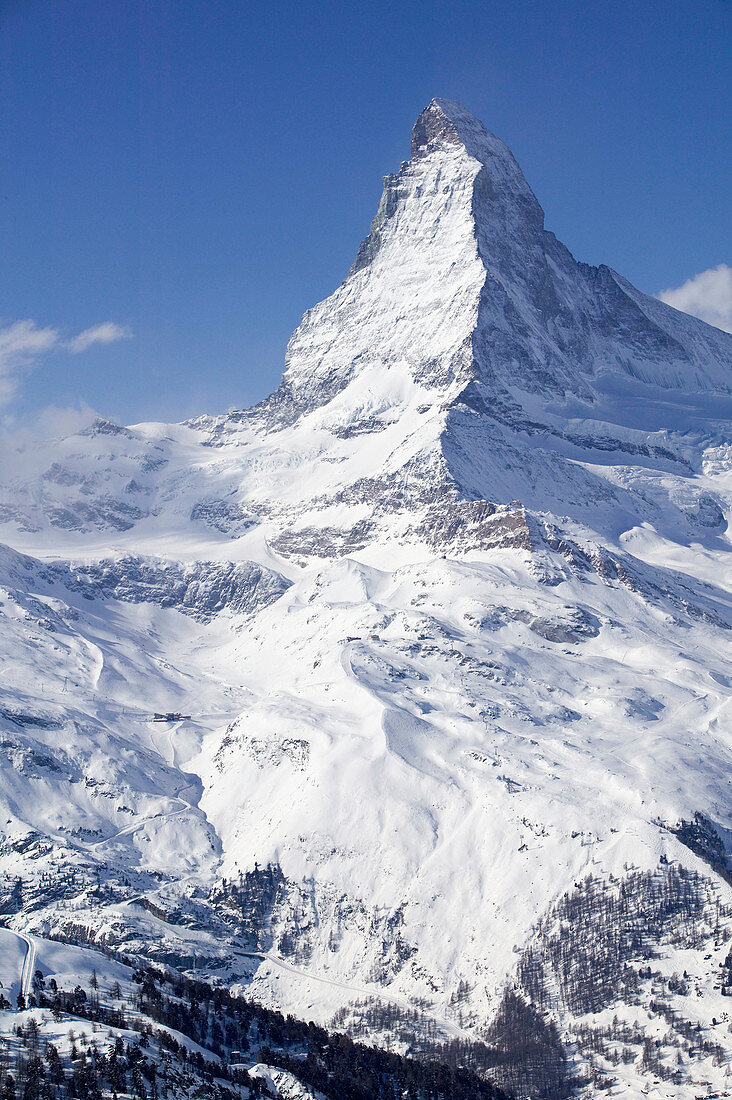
[195,174]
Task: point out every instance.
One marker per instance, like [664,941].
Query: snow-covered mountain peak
[467,372]
[459,282]
[407,688]
[444,124]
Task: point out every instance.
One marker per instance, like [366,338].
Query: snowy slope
[450,613]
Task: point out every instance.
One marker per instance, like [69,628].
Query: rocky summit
[400,702]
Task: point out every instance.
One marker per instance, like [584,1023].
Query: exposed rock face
[202,589]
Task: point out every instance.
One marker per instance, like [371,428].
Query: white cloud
[20,345]
[20,437]
[23,343]
[707,295]
[106,333]
[17,435]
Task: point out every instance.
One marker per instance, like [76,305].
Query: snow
[281,1083]
[13,951]
[441,725]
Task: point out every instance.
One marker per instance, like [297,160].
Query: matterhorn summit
[458,253]
[466,374]
[402,700]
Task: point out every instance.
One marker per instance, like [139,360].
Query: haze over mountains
[450,614]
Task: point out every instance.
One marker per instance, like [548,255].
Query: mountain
[448,616]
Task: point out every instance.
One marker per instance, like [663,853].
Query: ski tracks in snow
[28,966]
